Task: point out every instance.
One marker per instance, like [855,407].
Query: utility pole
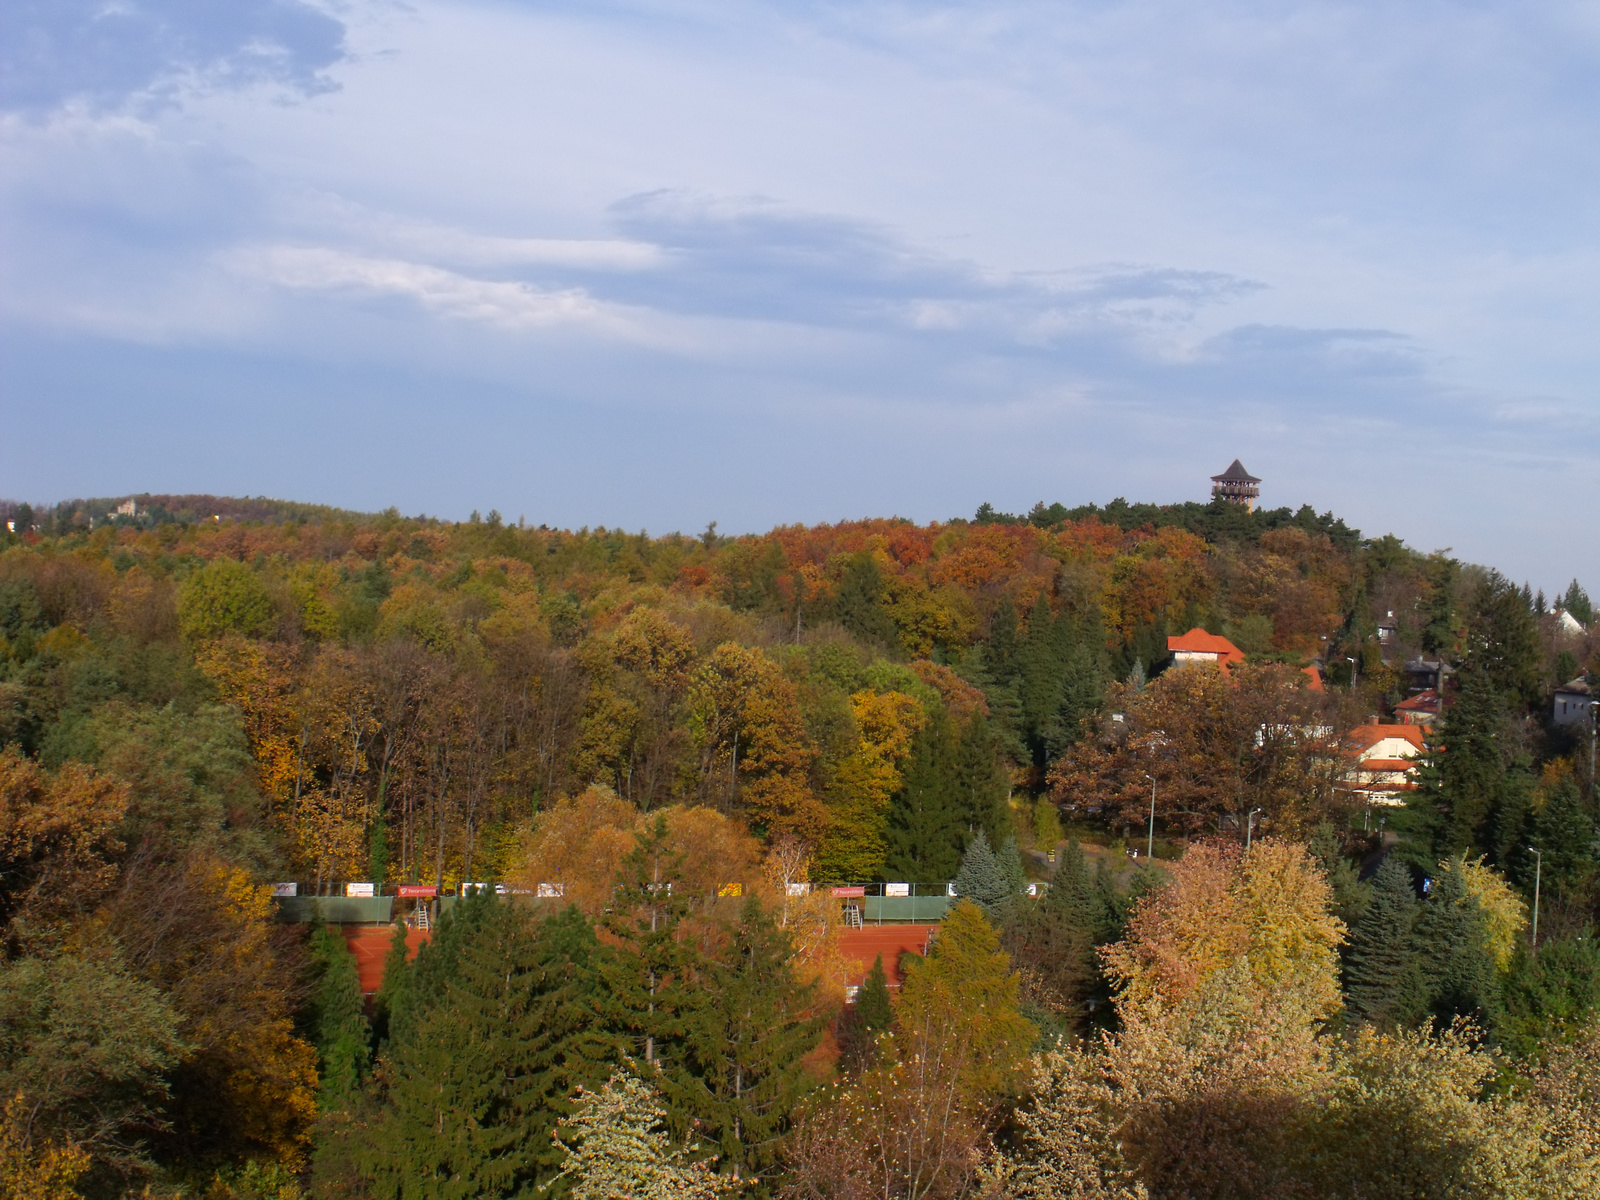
[1150,842]
[1538,869]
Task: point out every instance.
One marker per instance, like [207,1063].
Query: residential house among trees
[1198,646]
[1382,761]
[1575,703]
[1421,709]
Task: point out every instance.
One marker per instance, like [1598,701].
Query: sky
[656,263]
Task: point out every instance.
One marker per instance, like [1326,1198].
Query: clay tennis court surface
[860,946]
[370,945]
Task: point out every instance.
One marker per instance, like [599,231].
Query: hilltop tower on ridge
[1236,485]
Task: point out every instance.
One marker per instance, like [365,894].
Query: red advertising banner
[418,889]
[857,890]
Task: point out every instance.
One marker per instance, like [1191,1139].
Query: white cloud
[509,305]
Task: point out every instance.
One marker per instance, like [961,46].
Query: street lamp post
[1538,870]
[1249,825]
[1354,672]
[1150,841]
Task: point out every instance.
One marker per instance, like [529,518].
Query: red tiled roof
[1363,736]
[1422,702]
[1316,678]
[1198,641]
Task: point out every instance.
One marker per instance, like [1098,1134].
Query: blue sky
[655,264]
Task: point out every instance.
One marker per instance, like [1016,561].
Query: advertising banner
[418,889]
[799,889]
[286,889]
[897,889]
[360,889]
[846,892]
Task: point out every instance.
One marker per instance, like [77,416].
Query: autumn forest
[1183,955]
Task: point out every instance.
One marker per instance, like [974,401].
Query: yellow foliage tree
[864,783]
[1271,909]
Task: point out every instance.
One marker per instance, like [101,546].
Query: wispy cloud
[445,293]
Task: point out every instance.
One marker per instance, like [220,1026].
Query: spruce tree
[749,1028]
[1453,973]
[646,981]
[861,1022]
[979,786]
[335,1020]
[859,602]
[982,877]
[1350,895]
[1381,953]
[925,817]
[1002,654]
[1566,834]
[480,1074]
[1576,602]
[1010,859]
[1077,896]
[872,1002]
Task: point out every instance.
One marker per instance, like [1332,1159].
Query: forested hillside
[202,696]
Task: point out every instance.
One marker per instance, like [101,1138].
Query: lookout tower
[1237,485]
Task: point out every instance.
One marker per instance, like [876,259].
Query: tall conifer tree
[982,877]
[479,1075]
[646,980]
[751,1024]
[1381,953]
[925,826]
[1453,971]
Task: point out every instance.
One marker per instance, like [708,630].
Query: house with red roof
[1421,709]
[1380,761]
[1206,649]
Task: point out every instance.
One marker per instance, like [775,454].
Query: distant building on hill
[1236,485]
[1421,709]
[1575,703]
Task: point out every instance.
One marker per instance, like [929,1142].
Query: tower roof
[1235,474]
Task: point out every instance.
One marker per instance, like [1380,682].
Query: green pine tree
[1565,833]
[740,1075]
[1453,973]
[647,981]
[982,877]
[1576,602]
[408,987]
[978,781]
[480,1074]
[1350,895]
[859,602]
[872,1002]
[335,1019]
[1003,643]
[1077,896]
[1549,994]
[861,1023]
[925,817]
[1381,954]
[1010,859]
